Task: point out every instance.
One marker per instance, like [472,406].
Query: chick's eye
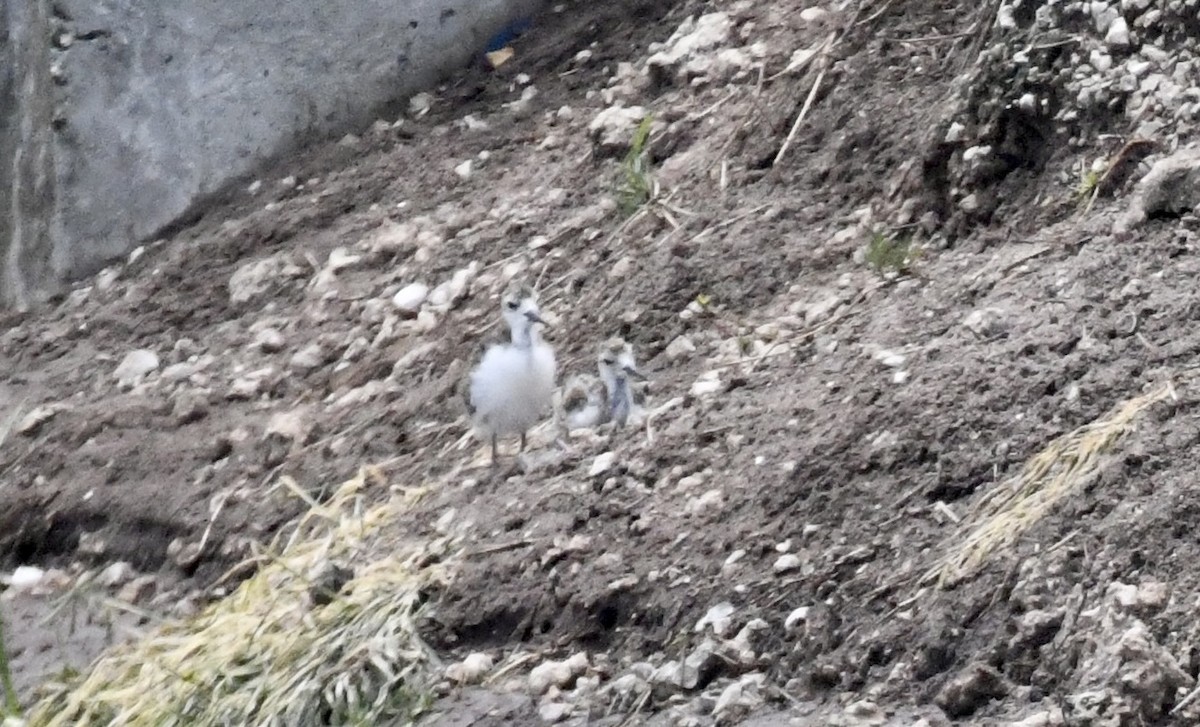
[610,361]
[512,305]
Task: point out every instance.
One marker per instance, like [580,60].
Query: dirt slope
[826,436]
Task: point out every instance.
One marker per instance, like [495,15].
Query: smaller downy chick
[618,369]
[513,386]
[588,401]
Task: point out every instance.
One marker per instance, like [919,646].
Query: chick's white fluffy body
[513,386]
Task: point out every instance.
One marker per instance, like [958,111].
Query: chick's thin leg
[522,442]
[495,451]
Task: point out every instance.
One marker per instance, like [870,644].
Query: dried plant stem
[11,706]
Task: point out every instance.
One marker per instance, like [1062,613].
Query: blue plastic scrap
[509,34]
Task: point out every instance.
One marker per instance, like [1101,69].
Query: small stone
[891,359]
[391,238]
[138,590]
[795,618]
[408,299]
[249,385]
[973,687]
[106,278]
[602,464]
[866,710]
[470,670]
[183,554]
[708,384]
[787,562]
[1117,36]
[308,358]
[185,370]
[186,607]
[741,696]
[33,421]
[293,426]
[1005,18]
[719,617]
[427,320]
[822,309]
[464,170]
[612,129]
[134,366]
[1148,596]
[686,675]
[268,340]
[454,289]
[621,268]
[813,15]
[1100,60]
[552,712]
[628,583]
[956,133]
[1172,186]
[26,578]
[708,501]
[254,279]
[984,322]
[557,673]
[92,544]
[116,574]
[420,104]
[679,349]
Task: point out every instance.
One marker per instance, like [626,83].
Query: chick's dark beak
[533,317]
[634,374]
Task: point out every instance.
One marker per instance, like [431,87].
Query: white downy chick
[513,386]
[589,401]
[617,370]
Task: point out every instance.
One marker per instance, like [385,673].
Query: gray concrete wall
[116,116]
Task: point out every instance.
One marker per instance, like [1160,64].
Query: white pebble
[602,463]
[25,577]
[795,617]
[134,366]
[409,298]
[788,562]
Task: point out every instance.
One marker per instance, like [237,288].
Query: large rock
[118,116]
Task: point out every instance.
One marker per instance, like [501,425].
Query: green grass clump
[891,256]
[637,186]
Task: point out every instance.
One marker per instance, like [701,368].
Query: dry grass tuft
[325,633]
[1057,472]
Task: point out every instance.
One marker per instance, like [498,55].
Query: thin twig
[932,38]
[875,15]
[499,548]
[808,102]
[1191,696]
